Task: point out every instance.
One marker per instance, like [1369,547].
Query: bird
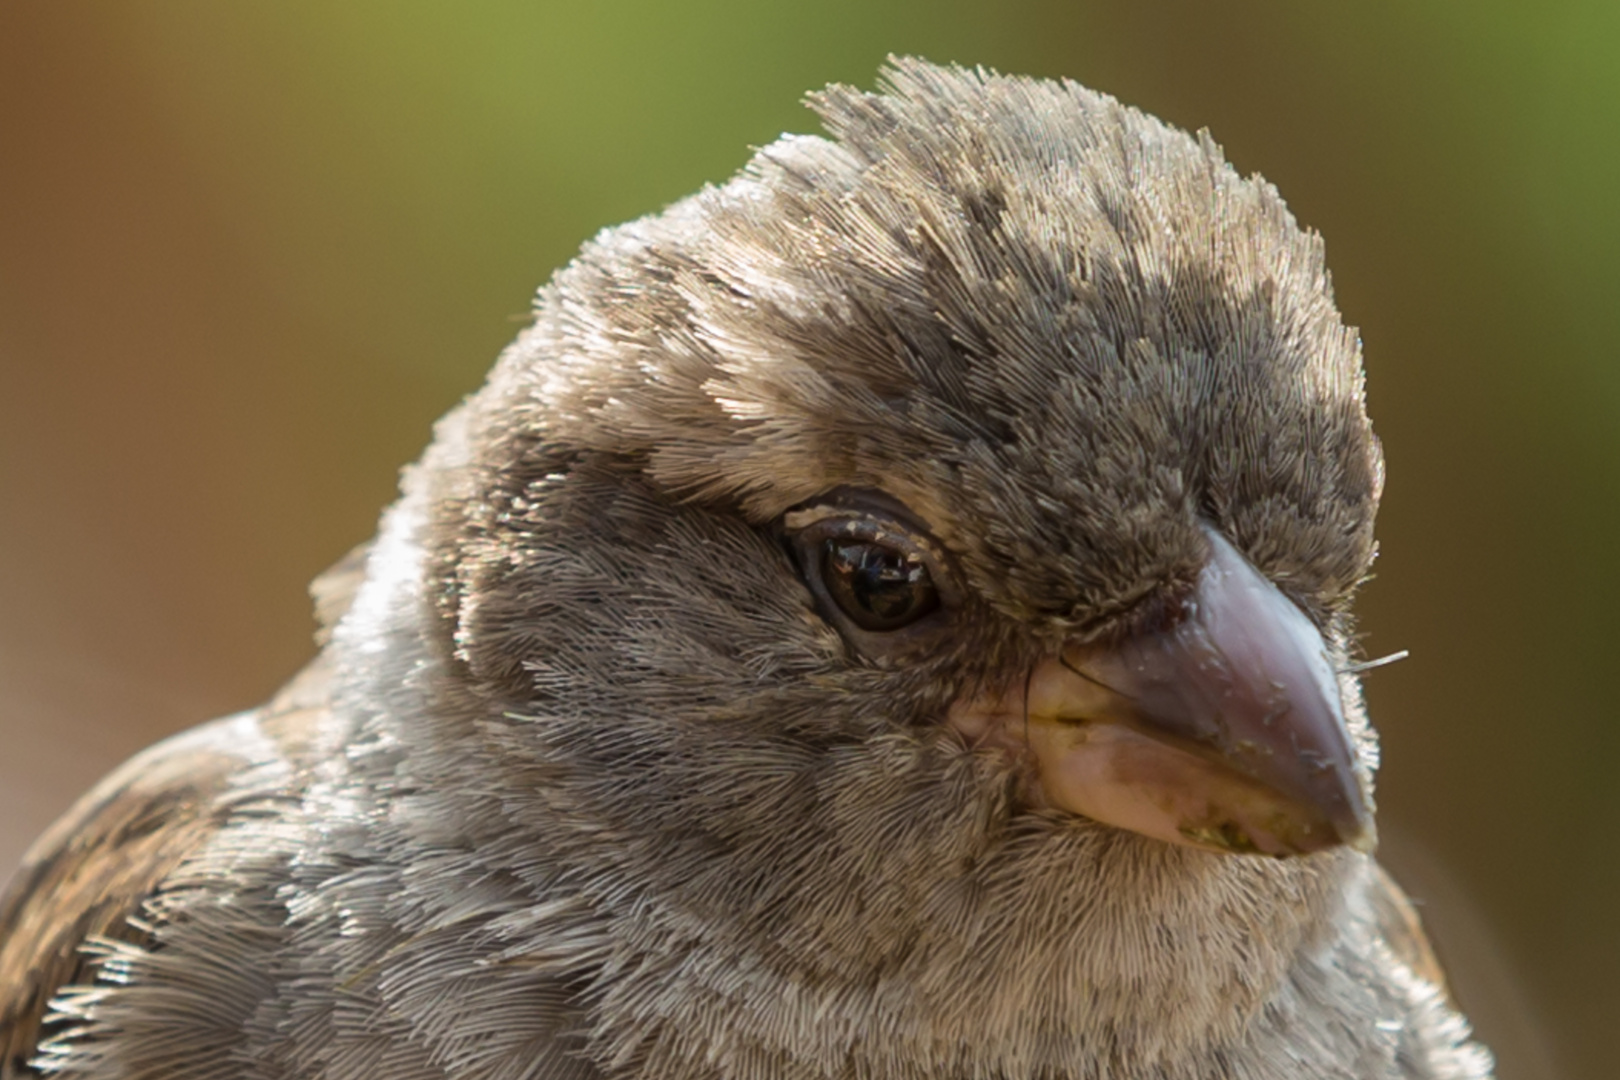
[887,616]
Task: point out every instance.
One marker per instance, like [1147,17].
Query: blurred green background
[248,252]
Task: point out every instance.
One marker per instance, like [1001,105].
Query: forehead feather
[1008,301]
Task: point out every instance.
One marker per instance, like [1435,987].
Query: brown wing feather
[90,872]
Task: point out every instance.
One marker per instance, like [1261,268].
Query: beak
[1224,731]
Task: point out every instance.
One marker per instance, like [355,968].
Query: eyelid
[797,520]
[841,521]
[857,502]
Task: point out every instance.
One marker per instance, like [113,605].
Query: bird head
[937,539]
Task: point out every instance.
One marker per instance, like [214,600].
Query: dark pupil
[876,586]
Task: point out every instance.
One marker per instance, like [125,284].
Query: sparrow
[887,618]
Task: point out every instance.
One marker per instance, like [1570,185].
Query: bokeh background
[248,252]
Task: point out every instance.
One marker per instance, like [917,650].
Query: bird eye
[879,587]
[874,571]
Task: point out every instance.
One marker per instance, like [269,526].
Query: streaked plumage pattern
[583,785]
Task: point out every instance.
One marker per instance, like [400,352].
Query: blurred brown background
[249,252]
